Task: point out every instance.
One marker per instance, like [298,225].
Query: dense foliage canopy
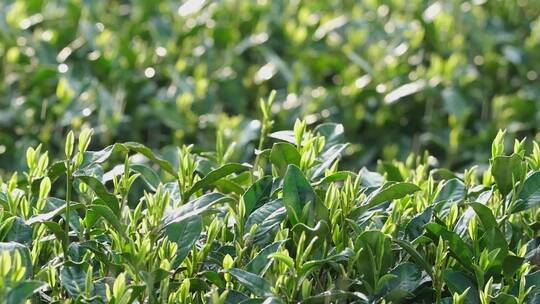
[262,151]
[291,227]
[399,75]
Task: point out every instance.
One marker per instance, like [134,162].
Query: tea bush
[126,225]
[399,75]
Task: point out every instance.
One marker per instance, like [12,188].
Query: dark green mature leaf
[184,233]
[375,257]
[195,207]
[270,300]
[340,175]
[22,291]
[333,133]
[266,217]
[506,170]
[529,197]
[300,199]
[216,175]
[150,178]
[233,297]
[321,230]
[371,179]
[532,254]
[531,280]
[98,157]
[391,191]
[56,229]
[258,194]
[110,217]
[56,170]
[391,171]
[19,232]
[332,261]
[254,283]
[336,296]
[73,279]
[327,158]
[485,215]
[415,256]
[458,248]
[39,218]
[23,251]
[387,192]
[259,264]
[297,192]
[282,155]
[452,192]
[101,191]
[458,282]
[142,149]
[511,265]
[287,135]
[415,227]
[405,279]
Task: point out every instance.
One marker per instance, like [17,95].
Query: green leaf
[56,229]
[97,157]
[297,192]
[286,135]
[23,251]
[506,170]
[529,197]
[40,218]
[282,155]
[391,171]
[485,215]
[405,278]
[150,178]
[387,192]
[375,257]
[258,194]
[23,291]
[511,265]
[142,149]
[531,280]
[327,158]
[216,175]
[340,175]
[457,282]
[452,192]
[73,279]
[332,261]
[110,217]
[260,263]
[320,230]
[415,227]
[195,207]
[101,191]
[333,133]
[254,283]
[266,217]
[336,296]
[415,256]
[458,248]
[184,233]
[19,232]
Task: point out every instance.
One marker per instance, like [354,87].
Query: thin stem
[68,205]
[264,133]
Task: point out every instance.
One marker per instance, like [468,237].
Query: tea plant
[401,76]
[127,225]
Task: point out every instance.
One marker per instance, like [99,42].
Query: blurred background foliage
[400,75]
